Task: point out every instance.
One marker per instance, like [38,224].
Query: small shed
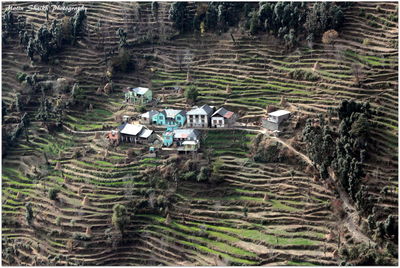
[278,116]
[274,119]
[139,95]
[190,146]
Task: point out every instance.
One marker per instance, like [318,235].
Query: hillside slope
[261,214]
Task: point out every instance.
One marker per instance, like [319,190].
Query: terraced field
[261,214]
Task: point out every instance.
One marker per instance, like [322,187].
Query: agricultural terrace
[59,188]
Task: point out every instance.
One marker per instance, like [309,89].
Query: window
[203,116]
[220,122]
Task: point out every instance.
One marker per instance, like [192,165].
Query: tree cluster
[364,255]
[120,218]
[8,24]
[294,21]
[213,16]
[344,151]
[321,17]
[179,14]
[49,40]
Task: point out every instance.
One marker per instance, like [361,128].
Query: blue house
[170,117]
[168,136]
[186,139]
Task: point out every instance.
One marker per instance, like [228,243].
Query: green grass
[278,205]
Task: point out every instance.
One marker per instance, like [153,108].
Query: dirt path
[352,217]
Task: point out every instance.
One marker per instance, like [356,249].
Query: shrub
[191,175]
[80,236]
[122,62]
[303,75]
[191,94]
[29,213]
[21,76]
[120,217]
[204,174]
[140,109]
[373,23]
[53,192]
[268,152]
[58,221]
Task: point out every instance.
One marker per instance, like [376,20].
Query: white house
[274,119]
[223,118]
[199,116]
[135,133]
[278,116]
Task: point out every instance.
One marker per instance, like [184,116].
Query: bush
[268,152]
[366,42]
[191,175]
[21,76]
[140,109]
[204,174]
[303,75]
[58,221]
[29,213]
[80,236]
[191,94]
[120,217]
[53,192]
[373,23]
[122,62]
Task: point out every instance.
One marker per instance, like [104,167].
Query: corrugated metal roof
[279,113]
[185,133]
[223,112]
[140,90]
[203,110]
[146,133]
[149,114]
[189,142]
[171,113]
[130,129]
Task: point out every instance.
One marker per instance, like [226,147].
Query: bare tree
[358,73]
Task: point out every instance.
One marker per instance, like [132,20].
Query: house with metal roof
[138,95]
[185,139]
[135,133]
[170,117]
[147,117]
[200,116]
[223,118]
[275,119]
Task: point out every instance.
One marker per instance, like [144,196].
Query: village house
[133,133]
[200,116]
[223,118]
[170,117]
[147,117]
[138,95]
[113,137]
[274,119]
[185,139]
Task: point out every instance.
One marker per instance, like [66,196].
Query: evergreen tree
[178,13]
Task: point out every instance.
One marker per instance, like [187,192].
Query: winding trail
[352,216]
